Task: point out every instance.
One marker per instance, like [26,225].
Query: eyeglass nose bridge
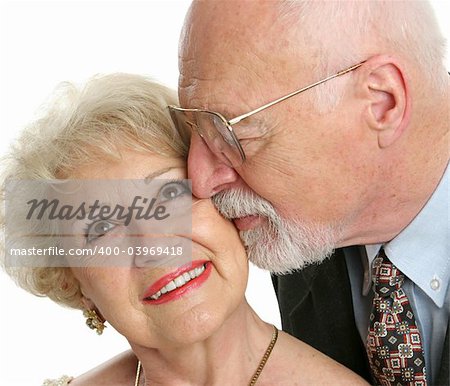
[195,127]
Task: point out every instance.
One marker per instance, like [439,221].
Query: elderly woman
[186,322]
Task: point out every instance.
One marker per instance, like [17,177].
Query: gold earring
[93,321]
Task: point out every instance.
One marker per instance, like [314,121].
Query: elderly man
[322,125]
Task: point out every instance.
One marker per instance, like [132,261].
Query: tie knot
[385,275]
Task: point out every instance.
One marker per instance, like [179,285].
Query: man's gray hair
[342,33]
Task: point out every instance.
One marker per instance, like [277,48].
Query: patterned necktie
[394,345]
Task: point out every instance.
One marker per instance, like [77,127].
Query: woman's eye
[173,189]
[98,229]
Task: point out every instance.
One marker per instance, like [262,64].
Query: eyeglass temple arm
[243,116]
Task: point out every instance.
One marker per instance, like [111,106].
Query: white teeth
[171,286]
[156,296]
[179,281]
[186,277]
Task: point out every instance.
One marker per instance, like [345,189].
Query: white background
[41,44]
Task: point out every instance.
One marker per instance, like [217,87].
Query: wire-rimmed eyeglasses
[217,131]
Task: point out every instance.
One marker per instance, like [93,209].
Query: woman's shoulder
[304,365]
[117,371]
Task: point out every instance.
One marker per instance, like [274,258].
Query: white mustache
[280,245]
[236,203]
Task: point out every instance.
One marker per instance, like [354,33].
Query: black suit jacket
[316,306]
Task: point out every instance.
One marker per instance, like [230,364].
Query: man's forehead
[235,86]
[226,95]
[235,55]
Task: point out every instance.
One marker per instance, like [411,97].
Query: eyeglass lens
[214,132]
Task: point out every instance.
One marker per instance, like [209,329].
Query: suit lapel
[316,307]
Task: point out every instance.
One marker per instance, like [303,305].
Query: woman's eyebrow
[151,176]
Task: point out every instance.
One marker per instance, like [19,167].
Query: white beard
[279,245]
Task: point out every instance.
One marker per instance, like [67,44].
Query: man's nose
[208,173]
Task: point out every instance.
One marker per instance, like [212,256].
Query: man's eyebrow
[151,176]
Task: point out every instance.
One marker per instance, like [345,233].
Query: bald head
[218,39]
[312,35]
[225,22]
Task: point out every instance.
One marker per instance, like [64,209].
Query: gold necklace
[255,376]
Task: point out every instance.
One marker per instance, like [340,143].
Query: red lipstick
[202,269]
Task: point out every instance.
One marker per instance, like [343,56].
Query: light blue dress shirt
[422,252]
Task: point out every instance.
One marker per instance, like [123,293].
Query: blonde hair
[347,32]
[79,126]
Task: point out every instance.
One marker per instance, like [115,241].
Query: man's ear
[388,111]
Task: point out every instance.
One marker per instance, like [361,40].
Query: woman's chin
[197,325]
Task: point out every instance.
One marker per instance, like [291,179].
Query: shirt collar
[422,250]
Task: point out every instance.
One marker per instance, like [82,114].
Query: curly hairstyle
[80,126]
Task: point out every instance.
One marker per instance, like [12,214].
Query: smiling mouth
[172,286]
